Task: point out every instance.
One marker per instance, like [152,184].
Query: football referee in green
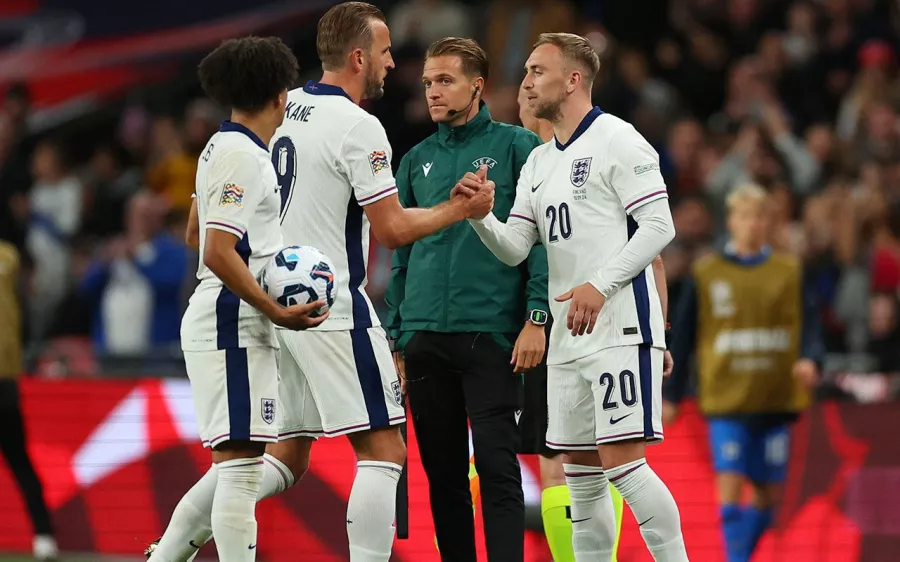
[462,322]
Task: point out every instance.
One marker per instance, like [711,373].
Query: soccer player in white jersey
[595,197]
[227,333]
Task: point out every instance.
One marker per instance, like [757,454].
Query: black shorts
[533,423]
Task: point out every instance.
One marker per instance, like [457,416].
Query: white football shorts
[235,394]
[612,395]
[337,382]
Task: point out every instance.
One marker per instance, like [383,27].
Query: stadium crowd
[801,97]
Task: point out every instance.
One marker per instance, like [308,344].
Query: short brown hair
[575,48]
[343,28]
[474,59]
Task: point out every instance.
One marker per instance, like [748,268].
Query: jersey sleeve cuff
[377,196]
[226,226]
[600,283]
[638,202]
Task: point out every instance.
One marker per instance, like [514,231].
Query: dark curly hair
[247,73]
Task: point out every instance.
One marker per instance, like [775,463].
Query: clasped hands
[475,193]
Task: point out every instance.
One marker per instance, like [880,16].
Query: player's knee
[766,496]
[584,458]
[383,444]
[292,453]
[621,453]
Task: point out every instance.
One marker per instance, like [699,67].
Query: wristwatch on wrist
[537,317]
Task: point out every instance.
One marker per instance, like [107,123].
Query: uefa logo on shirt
[581,169]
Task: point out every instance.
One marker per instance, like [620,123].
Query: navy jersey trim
[228,305]
[356,263]
[369,376]
[314,88]
[641,293]
[645,378]
[237,382]
[592,115]
[232,127]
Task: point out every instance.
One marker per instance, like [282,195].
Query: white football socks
[277,477]
[189,528]
[653,507]
[593,515]
[371,510]
[234,509]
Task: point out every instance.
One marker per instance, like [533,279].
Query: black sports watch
[537,317]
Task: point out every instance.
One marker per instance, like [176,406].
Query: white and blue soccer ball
[299,275]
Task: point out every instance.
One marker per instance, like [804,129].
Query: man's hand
[668,364]
[400,365]
[479,192]
[529,349]
[586,304]
[669,412]
[806,371]
[298,317]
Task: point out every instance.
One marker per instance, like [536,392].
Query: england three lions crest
[268,410]
[581,170]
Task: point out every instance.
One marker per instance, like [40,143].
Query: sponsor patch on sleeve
[232,195]
[644,168]
[378,161]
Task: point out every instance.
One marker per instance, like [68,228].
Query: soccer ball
[298,275]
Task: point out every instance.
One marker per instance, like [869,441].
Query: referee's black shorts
[533,422]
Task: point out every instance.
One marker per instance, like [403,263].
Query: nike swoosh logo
[614,421]
[647,521]
[580,520]
[536,187]
[193,544]
[251,547]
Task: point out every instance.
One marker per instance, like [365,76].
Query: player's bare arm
[221,257]
[395,226]
[192,232]
[659,275]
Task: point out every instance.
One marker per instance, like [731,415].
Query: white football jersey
[580,196]
[236,192]
[332,158]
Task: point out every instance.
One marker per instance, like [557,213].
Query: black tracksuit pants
[452,378]
[12,444]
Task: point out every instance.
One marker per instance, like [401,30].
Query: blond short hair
[747,193]
[575,49]
[342,29]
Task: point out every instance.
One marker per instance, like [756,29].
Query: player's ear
[357,59]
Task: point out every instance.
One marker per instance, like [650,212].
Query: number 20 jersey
[332,158]
[580,196]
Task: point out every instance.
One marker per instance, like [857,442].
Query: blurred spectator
[136,283]
[512,28]
[686,141]
[419,23]
[201,121]
[171,170]
[54,205]
[14,183]
[110,184]
[876,82]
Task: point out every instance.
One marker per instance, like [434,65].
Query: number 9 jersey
[332,158]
